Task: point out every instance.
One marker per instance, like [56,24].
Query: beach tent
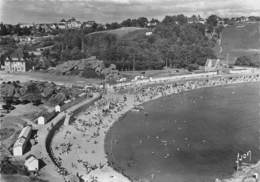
[41,120]
[57,108]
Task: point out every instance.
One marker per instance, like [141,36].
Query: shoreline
[98,167]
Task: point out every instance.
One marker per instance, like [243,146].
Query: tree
[112,26]
[33,98]
[194,18]
[169,31]
[3,29]
[246,61]
[32,93]
[173,42]
[57,99]
[142,21]
[7,93]
[181,19]
[154,21]
[212,20]
[17,30]
[169,20]
[126,23]
[192,67]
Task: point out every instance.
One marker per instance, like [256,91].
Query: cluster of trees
[14,29]
[139,22]
[35,92]
[7,29]
[9,168]
[247,61]
[174,43]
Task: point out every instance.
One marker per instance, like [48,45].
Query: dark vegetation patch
[8,167]
[35,92]
[247,61]
[6,133]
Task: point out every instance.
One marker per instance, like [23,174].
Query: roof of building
[61,23]
[41,118]
[30,158]
[25,132]
[19,142]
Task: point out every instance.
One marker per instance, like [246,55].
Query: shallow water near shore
[193,136]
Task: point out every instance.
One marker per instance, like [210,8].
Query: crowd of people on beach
[146,93]
[99,117]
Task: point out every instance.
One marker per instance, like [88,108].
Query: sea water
[193,136]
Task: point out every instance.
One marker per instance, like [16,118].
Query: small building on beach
[21,142]
[57,108]
[19,146]
[41,120]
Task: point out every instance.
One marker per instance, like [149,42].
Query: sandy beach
[80,146]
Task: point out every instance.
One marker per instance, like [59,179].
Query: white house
[19,147]
[41,120]
[21,142]
[57,108]
[61,25]
[15,66]
[32,163]
[27,25]
[73,23]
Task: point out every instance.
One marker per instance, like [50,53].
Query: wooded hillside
[173,43]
